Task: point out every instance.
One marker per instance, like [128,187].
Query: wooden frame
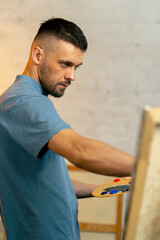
[143,216]
[105,228]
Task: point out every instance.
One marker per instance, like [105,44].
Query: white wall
[121,70]
[120,73]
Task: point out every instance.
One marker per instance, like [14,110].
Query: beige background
[119,76]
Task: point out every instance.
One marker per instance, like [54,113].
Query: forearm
[91,155]
[83,190]
[100,158]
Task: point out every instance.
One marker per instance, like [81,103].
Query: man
[36,194]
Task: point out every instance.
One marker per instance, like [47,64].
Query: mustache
[67,82]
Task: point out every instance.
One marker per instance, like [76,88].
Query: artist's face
[57,70]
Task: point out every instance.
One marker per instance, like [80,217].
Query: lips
[64,85]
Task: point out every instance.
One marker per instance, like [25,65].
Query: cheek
[56,74]
[52,72]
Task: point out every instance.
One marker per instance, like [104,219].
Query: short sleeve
[33,122]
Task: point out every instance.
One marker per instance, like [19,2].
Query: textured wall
[121,70]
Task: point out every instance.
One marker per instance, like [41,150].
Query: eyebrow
[69,63]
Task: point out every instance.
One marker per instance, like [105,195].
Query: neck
[30,72]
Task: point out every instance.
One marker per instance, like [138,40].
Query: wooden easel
[105,228]
[143,215]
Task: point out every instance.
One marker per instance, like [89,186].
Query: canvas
[143,213]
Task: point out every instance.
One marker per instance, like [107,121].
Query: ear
[37,54]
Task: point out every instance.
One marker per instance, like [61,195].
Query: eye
[77,67]
[65,64]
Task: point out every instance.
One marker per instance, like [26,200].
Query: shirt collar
[37,86]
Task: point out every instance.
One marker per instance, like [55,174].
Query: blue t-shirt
[37,199]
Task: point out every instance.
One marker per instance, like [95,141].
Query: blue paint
[103,193]
[122,188]
[113,191]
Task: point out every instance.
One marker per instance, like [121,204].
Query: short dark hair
[63,30]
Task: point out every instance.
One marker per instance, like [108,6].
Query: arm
[91,155]
[83,190]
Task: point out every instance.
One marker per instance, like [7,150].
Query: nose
[70,74]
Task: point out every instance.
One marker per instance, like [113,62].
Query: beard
[56,90]
[50,89]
